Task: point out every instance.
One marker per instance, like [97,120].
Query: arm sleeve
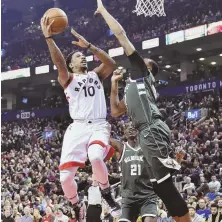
[139,69]
[86,191]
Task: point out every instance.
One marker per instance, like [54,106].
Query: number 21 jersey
[135,180]
[86,97]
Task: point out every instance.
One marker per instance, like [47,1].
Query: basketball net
[150,8]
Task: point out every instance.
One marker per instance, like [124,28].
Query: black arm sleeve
[86,190]
[139,69]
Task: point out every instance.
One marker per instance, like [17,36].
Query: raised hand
[117,75]
[82,41]
[100,7]
[46,29]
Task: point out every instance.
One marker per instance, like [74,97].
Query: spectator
[203,210]
[189,187]
[36,216]
[48,217]
[7,215]
[59,216]
[219,204]
[212,194]
[194,216]
[215,216]
[27,217]
[215,183]
[161,212]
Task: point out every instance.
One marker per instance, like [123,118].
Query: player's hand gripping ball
[55,20]
[46,28]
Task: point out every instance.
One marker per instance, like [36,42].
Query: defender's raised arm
[118,108]
[139,68]
[116,28]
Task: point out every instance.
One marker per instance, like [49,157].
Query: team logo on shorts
[170,163]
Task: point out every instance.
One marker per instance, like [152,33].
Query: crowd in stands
[18,39]
[30,178]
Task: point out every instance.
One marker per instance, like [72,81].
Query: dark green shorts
[155,142]
[144,208]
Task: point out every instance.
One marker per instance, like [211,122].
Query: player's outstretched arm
[118,108]
[139,68]
[108,64]
[56,55]
[116,28]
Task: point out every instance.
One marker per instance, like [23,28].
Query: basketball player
[154,135]
[89,133]
[138,197]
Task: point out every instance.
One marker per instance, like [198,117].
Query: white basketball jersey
[86,97]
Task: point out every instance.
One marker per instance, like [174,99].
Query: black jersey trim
[123,152]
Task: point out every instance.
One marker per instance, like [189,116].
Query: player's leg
[69,185]
[97,151]
[155,144]
[74,155]
[130,211]
[172,199]
[148,209]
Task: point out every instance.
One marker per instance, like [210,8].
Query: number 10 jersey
[135,180]
[86,97]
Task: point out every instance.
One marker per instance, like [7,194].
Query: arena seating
[30,161]
[19,38]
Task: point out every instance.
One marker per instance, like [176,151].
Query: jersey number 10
[135,170]
[90,91]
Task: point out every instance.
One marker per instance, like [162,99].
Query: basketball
[60,20]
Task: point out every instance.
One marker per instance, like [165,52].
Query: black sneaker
[115,207]
[79,211]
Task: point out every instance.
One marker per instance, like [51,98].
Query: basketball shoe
[79,211]
[109,199]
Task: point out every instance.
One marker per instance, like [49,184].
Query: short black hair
[155,67]
[68,61]
[214,205]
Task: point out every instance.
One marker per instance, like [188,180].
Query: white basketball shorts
[78,137]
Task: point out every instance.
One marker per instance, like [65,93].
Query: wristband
[49,37]
[89,46]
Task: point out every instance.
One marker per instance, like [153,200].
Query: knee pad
[172,199]
[95,153]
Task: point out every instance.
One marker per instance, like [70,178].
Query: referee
[93,194]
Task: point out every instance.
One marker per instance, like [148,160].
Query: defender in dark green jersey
[154,134]
[138,197]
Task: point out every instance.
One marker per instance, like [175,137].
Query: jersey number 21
[135,170]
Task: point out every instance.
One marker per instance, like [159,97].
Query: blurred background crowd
[30,177]
[30,148]
[20,36]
